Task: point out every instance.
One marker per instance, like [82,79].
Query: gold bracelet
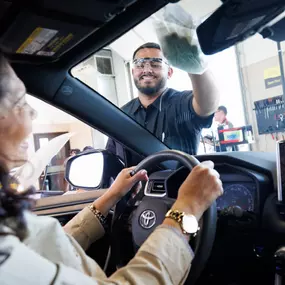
[102,219]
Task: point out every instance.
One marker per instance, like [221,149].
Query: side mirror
[92,170]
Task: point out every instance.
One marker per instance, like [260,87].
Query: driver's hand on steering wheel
[199,190]
[124,181]
[121,186]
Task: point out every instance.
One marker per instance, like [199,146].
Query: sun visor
[50,28]
[37,35]
[236,20]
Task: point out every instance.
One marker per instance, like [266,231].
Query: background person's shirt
[227,124]
[171,118]
[221,148]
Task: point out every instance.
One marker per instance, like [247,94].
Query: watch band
[178,217]
[175,215]
[102,219]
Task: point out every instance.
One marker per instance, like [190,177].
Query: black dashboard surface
[262,162]
[243,187]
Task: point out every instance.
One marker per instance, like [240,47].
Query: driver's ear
[170,72]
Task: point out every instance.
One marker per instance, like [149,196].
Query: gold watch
[188,223]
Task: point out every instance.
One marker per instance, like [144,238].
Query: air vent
[155,188]
[158,187]
[104,65]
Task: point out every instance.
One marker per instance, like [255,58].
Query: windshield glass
[157,74]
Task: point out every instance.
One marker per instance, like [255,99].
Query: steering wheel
[151,212]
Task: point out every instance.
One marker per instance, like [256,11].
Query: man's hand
[200,189]
[176,32]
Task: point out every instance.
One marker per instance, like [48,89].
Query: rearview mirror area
[235,21]
[93,170]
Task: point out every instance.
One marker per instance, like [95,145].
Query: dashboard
[238,194]
[243,188]
[242,242]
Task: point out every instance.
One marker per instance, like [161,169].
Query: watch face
[189,224]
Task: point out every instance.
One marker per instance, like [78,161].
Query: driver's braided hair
[12,203]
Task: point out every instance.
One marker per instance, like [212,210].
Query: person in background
[221,117]
[222,121]
[87,148]
[174,117]
[74,151]
[211,139]
[38,250]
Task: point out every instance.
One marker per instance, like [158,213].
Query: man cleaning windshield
[176,118]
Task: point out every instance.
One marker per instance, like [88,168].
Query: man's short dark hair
[147,45]
[224,109]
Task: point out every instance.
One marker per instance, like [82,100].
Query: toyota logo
[147,219]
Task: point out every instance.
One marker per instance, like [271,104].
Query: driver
[37,250]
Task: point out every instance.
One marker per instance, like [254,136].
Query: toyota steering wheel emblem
[147,219]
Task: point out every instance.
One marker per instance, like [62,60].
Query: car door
[57,200]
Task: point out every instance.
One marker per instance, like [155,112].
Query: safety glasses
[154,63]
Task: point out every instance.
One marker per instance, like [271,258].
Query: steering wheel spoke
[149,214]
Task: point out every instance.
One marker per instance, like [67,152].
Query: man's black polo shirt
[171,118]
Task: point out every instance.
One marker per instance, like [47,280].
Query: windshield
[157,74]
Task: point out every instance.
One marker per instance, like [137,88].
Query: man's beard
[150,90]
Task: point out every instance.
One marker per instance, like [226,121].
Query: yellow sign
[36,40]
[272,77]
[29,40]
[272,72]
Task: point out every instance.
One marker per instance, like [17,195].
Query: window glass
[248,77]
[50,124]
[121,89]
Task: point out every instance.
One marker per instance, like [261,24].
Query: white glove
[177,36]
